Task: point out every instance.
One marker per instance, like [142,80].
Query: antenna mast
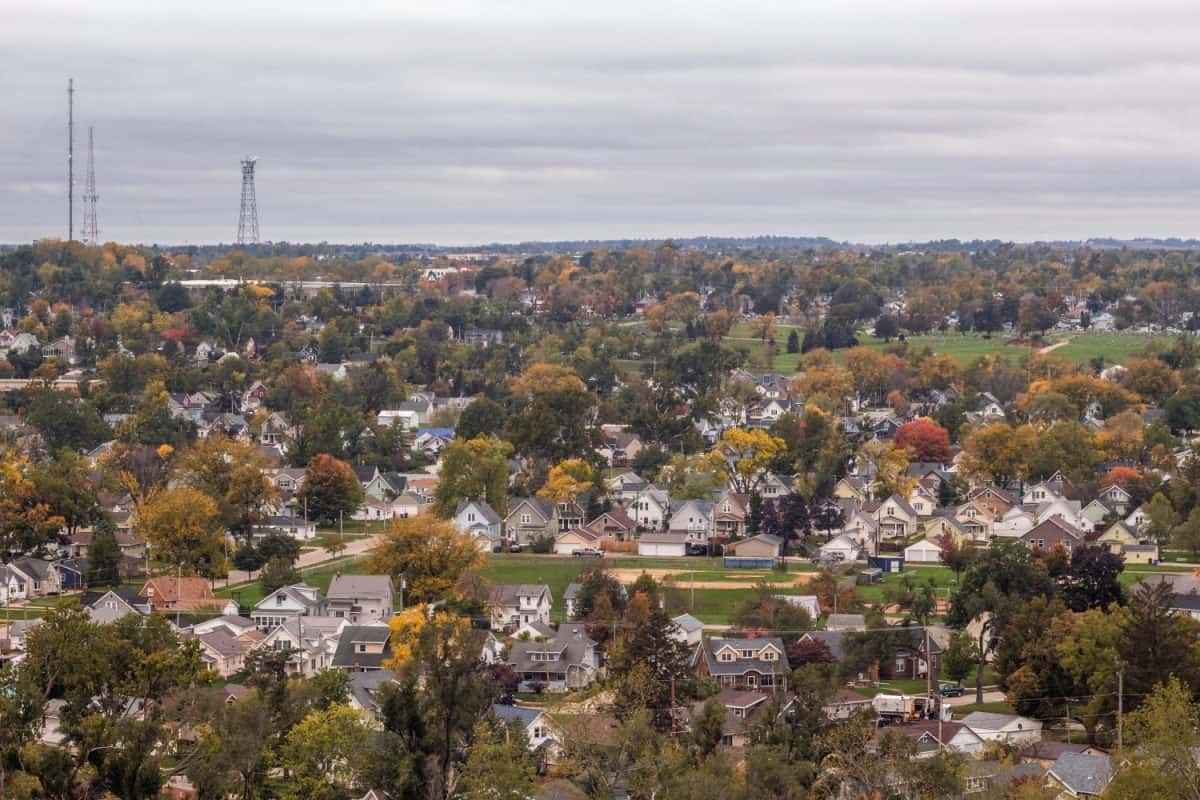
[70,159]
[248,219]
[91,229]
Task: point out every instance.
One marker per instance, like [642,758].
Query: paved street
[310,558]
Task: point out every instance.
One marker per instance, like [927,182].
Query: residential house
[692,517]
[530,519]
[1117,536]
[513,604]
[977,519]
[1010,729]
[933,737]
[287,603]
[775,487]
[855,489]
[613,526]
[298,528]
[729,516]
[997,501]
[110,606]
[566,661]
[945,527]
[1014,524]
[361,599]
[1095,513]
[180,594]
[922,501]
[40,577]
[539,730]
[743,663]
[620,448]
[687,629]
[910,659]
[362,648]
[1080,775]
[743,709]
[309,642]
[896,518]
[649,505]
[1140,553]
[1117,498]
[1054,532]
[480,521]
[432,441]
[222,652]
[846,622]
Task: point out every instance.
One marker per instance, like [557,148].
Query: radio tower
[91,229]
[70,159]
[248,219]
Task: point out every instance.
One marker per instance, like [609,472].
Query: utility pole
[70,159]
[1120,707]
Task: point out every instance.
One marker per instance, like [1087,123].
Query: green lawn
[247,594]
[963,348]
[1114,347]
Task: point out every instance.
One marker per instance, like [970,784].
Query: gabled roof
[740,666]
[509,594]
[301,594]
[989,721]
[344,587]
[687,623]
[520,714]
[345,656]
[1083,773]
[485,510]
[543,507]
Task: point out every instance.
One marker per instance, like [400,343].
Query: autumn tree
[889,465]
[924,439]
[233,473]
[552,418]
[429,554]
[473,469]
[330,489]
[324,753]
[998,453]
[742,456]
[183,526]
[567,481]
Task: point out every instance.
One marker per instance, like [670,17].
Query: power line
[70,159]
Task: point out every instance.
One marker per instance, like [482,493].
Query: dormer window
[768,655]
[725,656]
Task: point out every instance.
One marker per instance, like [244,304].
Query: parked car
[950,690]
[514,548]
[586,551]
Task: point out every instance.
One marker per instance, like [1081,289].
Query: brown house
[613,525]
[729,515]
[180,594]
[996,501]
[1054,532]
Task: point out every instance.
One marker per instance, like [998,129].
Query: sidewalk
[312,558]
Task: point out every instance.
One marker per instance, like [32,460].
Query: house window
[725,656]
[526,519]
[471,517]
[768,655]
[278,599]
[901,663]
[747,654]
[362,648]
[537,733]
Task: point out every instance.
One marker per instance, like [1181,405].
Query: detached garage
[663,545]
[568,542]
[923,552]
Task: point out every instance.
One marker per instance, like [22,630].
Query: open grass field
[1116,348]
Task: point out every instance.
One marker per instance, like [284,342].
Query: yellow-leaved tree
[428,553]
[567,480]
[742,456]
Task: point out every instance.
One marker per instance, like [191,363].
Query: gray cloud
[470,121]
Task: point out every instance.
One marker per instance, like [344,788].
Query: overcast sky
[467,122]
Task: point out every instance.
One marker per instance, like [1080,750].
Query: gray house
[360,598]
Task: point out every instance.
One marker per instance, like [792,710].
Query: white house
[479,520]
[688,629]
[1010,729]
[537,727]
[287,603]
[650,507]
[514,604]
[841,548]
